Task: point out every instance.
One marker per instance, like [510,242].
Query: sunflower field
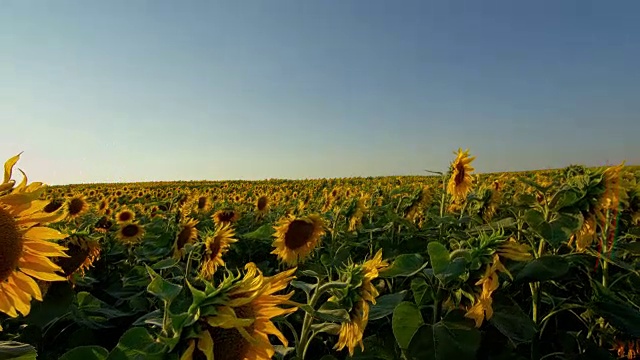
[455,265]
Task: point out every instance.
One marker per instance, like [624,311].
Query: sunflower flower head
[242,323]
[585,236]
[130,233]
[83,251]
[262,205]
[124,216]
[297,237]
[215,246]
[186,235]
[76,206]
[481,308]
[225,216]
[461,180]
[357,299]
[25,249]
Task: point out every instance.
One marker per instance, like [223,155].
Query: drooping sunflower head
[103,205]
[297,237]
[585,236]
[461,179]
[614,190]
[202,203]
[24,247]
[76,206]
[186,235]
[241,327]
[125,215]
[215,246]
[357,299]
[83,251]
[262,204]
[225,216]
[130,232]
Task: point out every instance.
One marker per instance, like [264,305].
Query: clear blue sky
[120,90]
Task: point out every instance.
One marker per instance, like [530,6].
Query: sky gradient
[123,90]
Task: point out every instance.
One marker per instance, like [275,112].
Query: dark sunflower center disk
[130,230]
[10,244]
[460,175]
[214,247]
[184,236]
[262,203]
[298,234]
[76,206]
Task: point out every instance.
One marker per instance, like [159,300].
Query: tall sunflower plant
[574,232]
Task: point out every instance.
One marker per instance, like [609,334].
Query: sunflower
[53,206]
[482,306]
[296,237]
[24,250]
[262,204]
[614,192]
[586,235]
[351,332]
[83,251]
[216,246]
[241,327]
[187,234]
[130,232]
[202,204]
[76,206]
[225,216]
[460,181]
[359,209]
[124,216]
[103,205]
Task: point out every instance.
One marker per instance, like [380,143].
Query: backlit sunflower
[124,216]
[76,206]
[130,232]
[24,250]
[614,191]
[586,235]
[351,332]
[216,245]
[83,251]
[461,180]
[482,307]
[187,234]
[296,237]
[225,216]
[240,329]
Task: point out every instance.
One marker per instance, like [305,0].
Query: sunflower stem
[305,338]
[605,249]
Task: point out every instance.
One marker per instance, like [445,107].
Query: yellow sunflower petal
[21,300]
[27,284]
[45,248]
[38,263]
[188,354]
[23,183]
[43,233]
[8,167]
[43,275]
[6,304]
[205,344]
